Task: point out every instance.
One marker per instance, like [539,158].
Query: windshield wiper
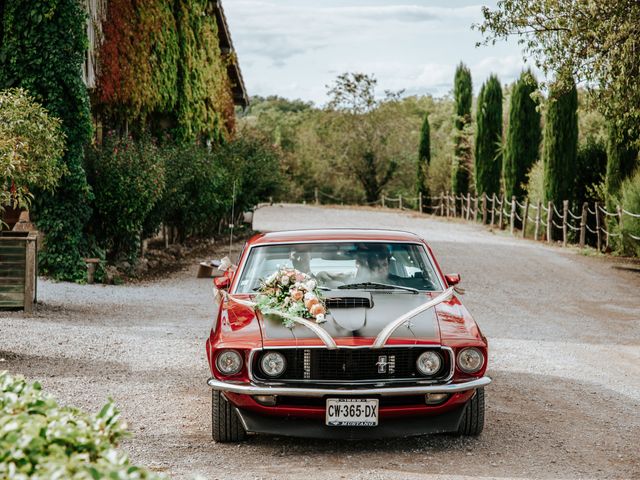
[376,285]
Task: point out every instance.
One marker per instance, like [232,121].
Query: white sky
[294,48]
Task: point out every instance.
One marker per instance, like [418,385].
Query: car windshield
[345,265]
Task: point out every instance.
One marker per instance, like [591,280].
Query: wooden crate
[18,277]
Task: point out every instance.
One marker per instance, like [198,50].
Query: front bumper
[253,389]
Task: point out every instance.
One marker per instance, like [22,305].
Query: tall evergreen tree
[463,95]
[424,158]
[560,143]
[488,166]
[622,158]
[523,136]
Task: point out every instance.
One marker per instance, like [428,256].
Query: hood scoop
[348,310]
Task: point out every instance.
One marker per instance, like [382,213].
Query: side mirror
[222,283]
[452,279]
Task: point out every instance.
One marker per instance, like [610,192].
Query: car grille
[346,365]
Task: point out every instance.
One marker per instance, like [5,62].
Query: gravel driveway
[564,333]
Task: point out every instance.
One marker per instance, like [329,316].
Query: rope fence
[546,220]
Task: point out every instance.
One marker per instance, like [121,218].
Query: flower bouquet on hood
[291,293]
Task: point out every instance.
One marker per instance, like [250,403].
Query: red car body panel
[237,327]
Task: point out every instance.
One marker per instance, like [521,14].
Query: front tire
[225,424]
[472,422]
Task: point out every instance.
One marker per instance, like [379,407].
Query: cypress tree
[560,144]
[489,137]
[621,160]
[523,136]
[424,158]
[463,94]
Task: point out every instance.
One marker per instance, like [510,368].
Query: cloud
[295,47]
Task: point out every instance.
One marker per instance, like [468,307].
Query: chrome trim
[422,380]
[251,389]
[386,332]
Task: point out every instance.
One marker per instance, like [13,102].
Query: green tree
[589,41]
[622,158]
[463,95]
[31,148]
[424,158]
[523,136]
[560,143]
[488,157]
[42,50]
[359,128]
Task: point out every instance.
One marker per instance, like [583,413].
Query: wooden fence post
[447,200]
[525,217]
[501,213]
[550,222]
[493,208]
[619,210]
[598,232]
[512,216]
[420,202]
[453,198]
[400,202]
[484,208]
[475,208]
[565,219]
[442,204]
[536,232]
[317,198]
[468,205]
[583,224]
[382,198]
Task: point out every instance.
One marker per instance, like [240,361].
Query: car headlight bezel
[462,360]
[229,362]
[436,360]
[266,367]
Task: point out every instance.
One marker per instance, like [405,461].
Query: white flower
[311,285]
[271,278]
[321,318]
[309,295]
[284,280]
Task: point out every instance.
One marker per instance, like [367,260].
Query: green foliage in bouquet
[291,293]
[41,439]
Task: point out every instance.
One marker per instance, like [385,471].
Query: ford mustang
[393,352]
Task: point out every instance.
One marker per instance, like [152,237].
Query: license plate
[352,412]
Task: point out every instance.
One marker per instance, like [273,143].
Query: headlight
[429,363]
[273,364]
[470,360]
[229,362]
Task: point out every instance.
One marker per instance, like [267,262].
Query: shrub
[630,194]
[41,439]
[128,178]
[31,148]
[194,199]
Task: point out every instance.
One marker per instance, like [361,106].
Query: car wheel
[225,424]
[473,417]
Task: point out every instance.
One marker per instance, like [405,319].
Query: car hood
[361,325]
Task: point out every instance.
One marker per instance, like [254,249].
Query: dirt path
[564,330]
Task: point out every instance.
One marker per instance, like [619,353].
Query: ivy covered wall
[42,50]
[160,62]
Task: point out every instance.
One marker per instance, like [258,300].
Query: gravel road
[564,333]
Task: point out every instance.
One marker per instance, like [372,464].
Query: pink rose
[296,295]
[317,309]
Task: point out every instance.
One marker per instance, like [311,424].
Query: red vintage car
[397,355]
